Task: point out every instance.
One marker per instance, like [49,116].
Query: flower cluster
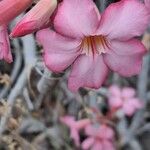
[99,129]
[99,137]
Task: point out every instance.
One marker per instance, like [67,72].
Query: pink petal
[124,55]
[115,102]
[128,109]
[147,3]
[77,18]
[114,91]
[59,52]
[124,20]
[105,132]
[87,72]
[82,123]
[97,146]
[107,145]
[91,130]
[128,92]
[71,123]
[35,19]
[131,105]
[58,62]
[5,52]
[68,120]
[87,143]
[75,136]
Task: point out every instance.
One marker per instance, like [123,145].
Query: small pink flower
[124,100]
[5,52]
[94,43]
[99,138]
[9,9]
[36,18]
[75,127]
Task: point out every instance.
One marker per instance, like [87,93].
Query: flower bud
[37,18]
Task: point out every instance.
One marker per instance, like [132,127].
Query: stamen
[92,45]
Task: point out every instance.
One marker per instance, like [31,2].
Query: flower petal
[68,120]
[76,18]
[82,123]
[125,57]
[5,52]
[115,102]
[91,130]
[87,143]
[147,3]
[97,145]
[87,72]
[108,145]
[59,52]
[105,132]
[114,91]
[131,105]
[128,92]
[124,20]
[75,136]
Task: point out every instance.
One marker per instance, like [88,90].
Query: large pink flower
[5,52]
[94,43]
[99,138]
[123,99]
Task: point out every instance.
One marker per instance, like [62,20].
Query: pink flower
[4,45]
[75,127]
[124,100]
[94,43]
[9,9]
[36,18]
[99,138]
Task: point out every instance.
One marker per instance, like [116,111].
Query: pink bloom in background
[75,127]
[36,18]
[123,99]
[94,44]
[99,138]
[5,52]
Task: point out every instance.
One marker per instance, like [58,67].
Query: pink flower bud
[36,18]
[4,44]
[9,9]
